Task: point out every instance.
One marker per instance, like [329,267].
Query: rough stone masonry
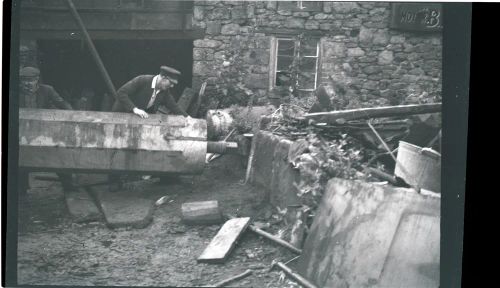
[379,65]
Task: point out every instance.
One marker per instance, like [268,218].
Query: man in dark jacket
[33,94]
[145,93]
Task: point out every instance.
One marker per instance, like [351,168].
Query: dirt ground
[54,250]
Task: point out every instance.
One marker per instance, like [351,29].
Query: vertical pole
[93,51]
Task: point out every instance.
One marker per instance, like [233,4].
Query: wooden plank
[201,212]
[225,240]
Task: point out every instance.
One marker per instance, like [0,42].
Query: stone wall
[377,65]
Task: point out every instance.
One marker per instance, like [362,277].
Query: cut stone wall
[378,65]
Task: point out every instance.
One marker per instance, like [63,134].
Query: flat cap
[29,72]
[171,73]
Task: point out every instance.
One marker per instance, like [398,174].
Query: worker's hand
[140,113]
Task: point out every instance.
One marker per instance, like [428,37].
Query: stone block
[271,5]
[198,12]
[213,27]
[365,35]
[198,54]
[355,52]
[397,39]
[295,23]
[262,165]
[203,68]
[312,25]
[206,43]
[385,57]
[371,70]
[285,12]
[230,29]
[381,37]
[344,7]
[221,13]
[301,14]
[238,13]
[250,11]
[321,16]
[334,49]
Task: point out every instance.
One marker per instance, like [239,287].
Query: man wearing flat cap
[145,93]
[36,95]
[33,94]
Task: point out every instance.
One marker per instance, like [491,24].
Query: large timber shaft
[105,141]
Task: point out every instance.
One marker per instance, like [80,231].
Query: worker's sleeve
[169,102]
[126,90]
[58,101]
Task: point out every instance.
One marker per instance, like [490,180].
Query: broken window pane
[283,78]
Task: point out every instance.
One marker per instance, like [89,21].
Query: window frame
[274,60]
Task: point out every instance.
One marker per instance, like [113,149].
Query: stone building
[244,50]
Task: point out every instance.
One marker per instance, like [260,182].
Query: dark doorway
[68,66]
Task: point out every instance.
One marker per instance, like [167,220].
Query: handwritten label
[417,16]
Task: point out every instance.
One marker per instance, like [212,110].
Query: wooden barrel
[105,141]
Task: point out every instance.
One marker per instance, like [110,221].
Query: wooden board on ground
[124,209]
[223,243]
[81,206]
[202,212]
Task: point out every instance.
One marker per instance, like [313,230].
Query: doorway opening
[68,66]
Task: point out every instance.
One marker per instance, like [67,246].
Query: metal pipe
[92,49]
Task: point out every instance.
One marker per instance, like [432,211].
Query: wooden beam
[108,34]
[105,141]
[335,117]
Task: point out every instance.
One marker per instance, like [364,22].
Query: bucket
[419,167]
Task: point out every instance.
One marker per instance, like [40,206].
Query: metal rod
[93,51]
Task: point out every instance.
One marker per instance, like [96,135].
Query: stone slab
[81,206]
[369,235]
[124,209]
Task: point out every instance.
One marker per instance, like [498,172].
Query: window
[306,54]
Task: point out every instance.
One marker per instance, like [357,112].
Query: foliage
[324,160]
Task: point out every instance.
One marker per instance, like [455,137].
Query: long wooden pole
[303,281]
[275,239]
[237,277]
[93,51]
[378,112]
